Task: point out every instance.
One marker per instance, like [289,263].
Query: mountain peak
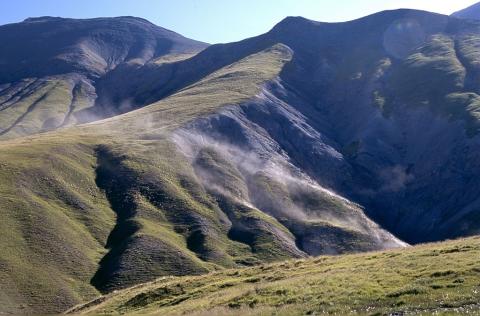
[295,20]
[396,13]
[294,24]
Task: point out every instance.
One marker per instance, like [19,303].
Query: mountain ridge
[84,38]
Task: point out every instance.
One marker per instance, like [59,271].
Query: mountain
[311,139]
[351,111]
[125,184]
[90,46]
[56,85]
[472,12]
[392,282]
[387,96]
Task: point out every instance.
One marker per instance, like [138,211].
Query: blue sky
[217,21]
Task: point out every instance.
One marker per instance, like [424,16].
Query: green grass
[440,75]
[432,278]
[45,108]
[433,71]
[54,224]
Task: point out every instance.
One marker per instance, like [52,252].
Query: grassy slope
[54,223]
[442,75]
[442,277]
[48,103]
[55,217]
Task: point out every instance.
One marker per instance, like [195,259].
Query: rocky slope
[382,110]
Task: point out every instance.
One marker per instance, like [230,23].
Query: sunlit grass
[442,277]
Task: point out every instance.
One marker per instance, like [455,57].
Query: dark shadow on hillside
[117,184]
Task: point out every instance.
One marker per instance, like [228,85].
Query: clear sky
[215,21]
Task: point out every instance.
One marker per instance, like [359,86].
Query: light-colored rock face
[395,168]
[250,142]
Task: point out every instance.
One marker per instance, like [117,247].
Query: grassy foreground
[441,278]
